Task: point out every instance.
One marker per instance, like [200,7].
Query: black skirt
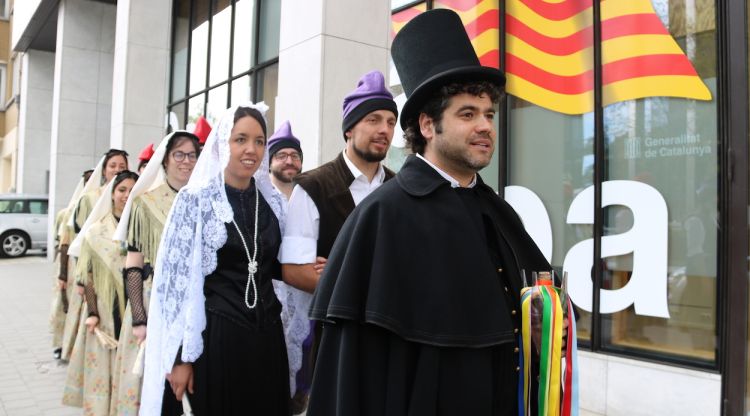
[242,371]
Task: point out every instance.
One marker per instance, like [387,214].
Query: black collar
[418,178]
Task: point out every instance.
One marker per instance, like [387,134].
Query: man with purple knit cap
[324,197]
[285,156]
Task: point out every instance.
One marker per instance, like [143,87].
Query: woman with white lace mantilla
[215,331]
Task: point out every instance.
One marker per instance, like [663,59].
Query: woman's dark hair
[247,111]
[178,138]
[126,174]
[436,105]
[112,153]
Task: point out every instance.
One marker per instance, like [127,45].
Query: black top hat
[433,50]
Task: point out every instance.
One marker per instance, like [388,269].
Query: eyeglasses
[280,157]
[179,156]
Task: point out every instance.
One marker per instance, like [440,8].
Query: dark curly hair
[438,102]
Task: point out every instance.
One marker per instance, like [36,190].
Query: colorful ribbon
[557,393]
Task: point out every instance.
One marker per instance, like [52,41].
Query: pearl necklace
[252,264]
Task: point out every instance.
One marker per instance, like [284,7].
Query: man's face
[464,140]
[286,164]
[371,137]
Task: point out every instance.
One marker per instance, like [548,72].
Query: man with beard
[285,156]
[420,298]
[324,197]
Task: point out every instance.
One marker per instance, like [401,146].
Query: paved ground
[31,381]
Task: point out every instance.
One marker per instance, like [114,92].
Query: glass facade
[625,114]
[224,52]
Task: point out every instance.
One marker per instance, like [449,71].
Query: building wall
[82,93]
[35,121]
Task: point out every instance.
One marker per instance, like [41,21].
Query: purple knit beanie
[283,139]
[370,95]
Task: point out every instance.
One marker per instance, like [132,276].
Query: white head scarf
[193,232]
[152,177]
[102,207]
[93,183]
[71,205]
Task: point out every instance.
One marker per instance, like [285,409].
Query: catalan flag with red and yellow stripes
[549,56]
[549,50]
[481,20]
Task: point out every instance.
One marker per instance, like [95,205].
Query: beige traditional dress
[75,301]
[147,218]
[59,306]
[89,378]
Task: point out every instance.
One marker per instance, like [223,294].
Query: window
[638,130]
[224,52]
[38,207]
[4,9]
[3,82]
[656,153]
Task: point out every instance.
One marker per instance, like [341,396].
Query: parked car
[23,223]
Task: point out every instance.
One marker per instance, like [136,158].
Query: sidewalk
[31,381]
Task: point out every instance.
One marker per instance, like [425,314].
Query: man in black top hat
[420,296]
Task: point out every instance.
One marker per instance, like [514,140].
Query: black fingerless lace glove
[90,294]
[134,286]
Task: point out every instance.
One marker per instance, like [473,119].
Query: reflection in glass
[220,26]
[671,145]
[177,116]
[268,81]
[395,4]
[552,155]
[270,19]
[199,48]
[217,103]
[196,108]
[244,31]
[180,49]
[242,89]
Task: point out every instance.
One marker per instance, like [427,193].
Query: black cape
[418,320]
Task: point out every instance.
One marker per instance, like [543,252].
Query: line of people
[224,278]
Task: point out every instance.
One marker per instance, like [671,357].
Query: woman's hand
[79,290]
[139,332]
[91,323]
[181,378]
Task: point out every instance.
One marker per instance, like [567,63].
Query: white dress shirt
[446,176]
[300,242]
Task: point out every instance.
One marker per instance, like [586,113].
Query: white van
[23,223]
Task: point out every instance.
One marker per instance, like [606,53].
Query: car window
[38,207]
[13,206]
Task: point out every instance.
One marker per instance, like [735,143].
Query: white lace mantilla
[193,233]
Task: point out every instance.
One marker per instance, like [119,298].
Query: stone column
[35,121]
[141,73]
[81,95]
[325,47]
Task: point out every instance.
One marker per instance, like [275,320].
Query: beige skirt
[89,379]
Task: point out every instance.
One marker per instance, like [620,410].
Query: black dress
[243,369]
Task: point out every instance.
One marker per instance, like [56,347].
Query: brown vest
[328,186]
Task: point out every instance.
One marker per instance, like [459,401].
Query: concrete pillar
[82,93]
[35,120]
[141,73]
[325,47]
